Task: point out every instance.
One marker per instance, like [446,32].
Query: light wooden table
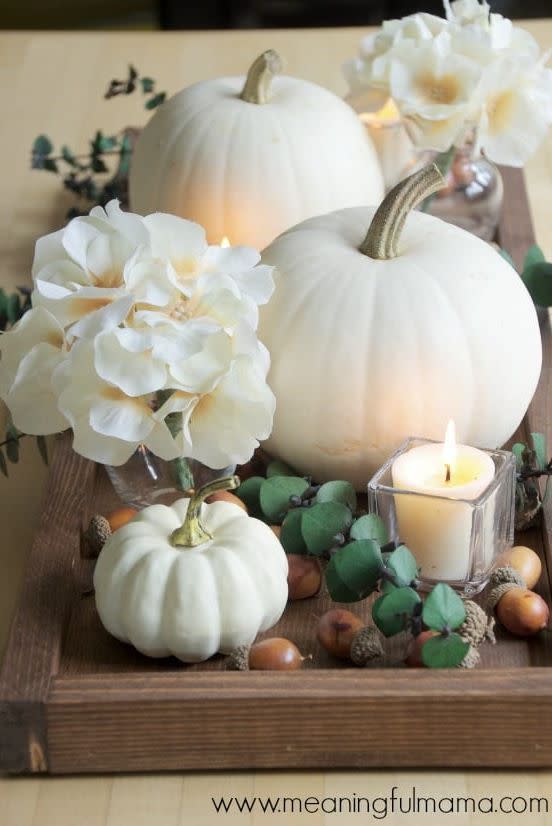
[53,83]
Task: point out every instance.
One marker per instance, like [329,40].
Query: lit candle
[391,141]
[436,526]
[225,243]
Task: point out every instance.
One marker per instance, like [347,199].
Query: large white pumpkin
[249,158]
[191,579]
[368,347]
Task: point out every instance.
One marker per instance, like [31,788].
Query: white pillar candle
[395,150]
[436,526]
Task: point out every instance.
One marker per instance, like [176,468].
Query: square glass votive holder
[454,540]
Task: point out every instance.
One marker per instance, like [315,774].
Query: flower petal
[32,400]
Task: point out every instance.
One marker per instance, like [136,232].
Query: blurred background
[227,14]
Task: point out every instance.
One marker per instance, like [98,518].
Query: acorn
[478,625]
[336,630]
[95,536]
[226,496]
[273,654]
[523,560]
[120,517]
[522,612]
[304,576]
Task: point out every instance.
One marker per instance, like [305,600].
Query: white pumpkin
[191,579]
[372,341]
[249,159]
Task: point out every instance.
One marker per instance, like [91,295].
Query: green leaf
[275,494]
[444,651]
[321,522]
[3,463]
[517,450]
[50,165]
[370,526]
[42,448]
[291,536]
[13,308]
[12,446]
[249,492]
[386,586]
[278,468]
[443,608]
[403,565]
[392,611]
[353,571]
[538,280]
[338,491]
[98,165]
[156,100]
[42,145]
[534,255]
[68,156]
[539,446]
[507,257]
[147,84]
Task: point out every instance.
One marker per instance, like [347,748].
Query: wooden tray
[73,699]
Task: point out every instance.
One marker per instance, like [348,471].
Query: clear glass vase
[473,197]
[148,480]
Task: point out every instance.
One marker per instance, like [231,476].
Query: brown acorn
[336,630]
[304,576]
[273,654]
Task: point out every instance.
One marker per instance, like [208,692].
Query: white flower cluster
[474,70]
[134,319]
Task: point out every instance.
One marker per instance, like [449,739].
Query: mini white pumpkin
[374,340]
[191,579]
[249,157]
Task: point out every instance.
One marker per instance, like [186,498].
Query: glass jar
[148,480]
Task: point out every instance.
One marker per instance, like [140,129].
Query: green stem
[183,475]
[192,533]
[259,77]
[383,236]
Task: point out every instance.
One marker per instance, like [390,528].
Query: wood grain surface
[42,78]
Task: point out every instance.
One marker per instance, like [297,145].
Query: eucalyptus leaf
[534,255]
[42,145]
[68,156]
[517,450]
[392,611]
[147,84]
[3,463]
[386,586]
[50,165]
[275,494]
[444,651]
[13,308]
[538,280]
[12,443]
[353,571]
[156,100]
[291,536]
[277,468]
[539,446]
[249,492]
[370,526]
[443,608]
[338,491]
[321,522]
[98,165]
[403,565]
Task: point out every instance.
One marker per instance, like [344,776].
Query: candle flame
[388,114]
[225,242]
[450,450]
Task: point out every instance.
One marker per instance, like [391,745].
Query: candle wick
[447,474]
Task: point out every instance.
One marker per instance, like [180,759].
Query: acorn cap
[500,582]
[366,646]
[477,626]
[471,659]
[238,659]
[96,535]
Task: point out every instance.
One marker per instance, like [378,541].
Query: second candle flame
[449,450]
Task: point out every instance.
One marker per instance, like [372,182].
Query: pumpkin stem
[259,77]
[192,533]
[384,233]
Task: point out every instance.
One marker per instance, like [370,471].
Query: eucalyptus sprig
[532,465]
[325,521]
[84,173]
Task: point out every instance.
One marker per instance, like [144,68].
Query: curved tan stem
[259,77]
[192,533]
[384,233]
